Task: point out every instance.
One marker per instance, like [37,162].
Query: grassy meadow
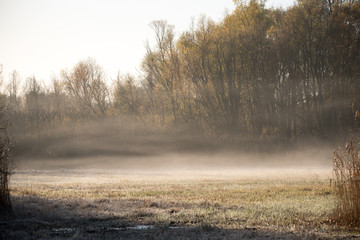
[216,204]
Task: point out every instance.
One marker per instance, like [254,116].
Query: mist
[119,143]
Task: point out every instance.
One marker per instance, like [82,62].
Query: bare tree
[86,83]
[13,92]
[162,66]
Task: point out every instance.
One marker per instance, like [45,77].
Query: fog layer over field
[124,144]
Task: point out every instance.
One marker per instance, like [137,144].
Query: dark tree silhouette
[5,204]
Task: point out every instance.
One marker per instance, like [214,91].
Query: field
[160,204]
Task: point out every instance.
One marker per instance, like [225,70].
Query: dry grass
[276,199]
[347,174]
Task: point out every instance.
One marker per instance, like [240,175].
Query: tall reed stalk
[347,176]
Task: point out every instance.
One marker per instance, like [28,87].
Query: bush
[347,176]
[5,204]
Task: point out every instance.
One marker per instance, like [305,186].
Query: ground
[231,203]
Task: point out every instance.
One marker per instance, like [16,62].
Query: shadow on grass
[39,218]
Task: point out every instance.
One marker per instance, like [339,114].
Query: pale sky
[41,37]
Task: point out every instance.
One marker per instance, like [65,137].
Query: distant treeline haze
[260,73]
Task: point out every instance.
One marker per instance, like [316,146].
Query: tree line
[270,74]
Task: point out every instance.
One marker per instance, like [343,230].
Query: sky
[42,37]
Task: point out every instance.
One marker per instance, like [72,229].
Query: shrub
[5,203]
[347,176]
